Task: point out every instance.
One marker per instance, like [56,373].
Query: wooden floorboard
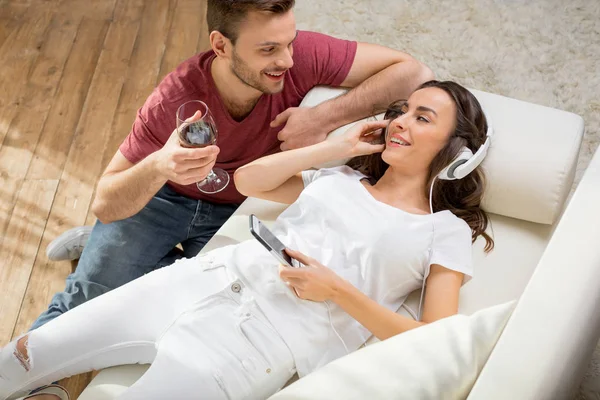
[52,149]
[99,10]
[37,97]
[83,160]
[203,40]
[21,244]
[182,43]
[19,51]
[73,75]
[10,19]
[17,55]
[141,76]
[50,157]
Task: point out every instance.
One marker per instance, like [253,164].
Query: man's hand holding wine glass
[185,165]
[196,129]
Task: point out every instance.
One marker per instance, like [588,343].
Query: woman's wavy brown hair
[463,196]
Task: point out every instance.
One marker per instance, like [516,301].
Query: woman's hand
[363,138]
[313,281]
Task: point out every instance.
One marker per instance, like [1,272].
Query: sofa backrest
[531,163]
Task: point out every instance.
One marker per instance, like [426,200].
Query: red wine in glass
[196,128]
[198,134]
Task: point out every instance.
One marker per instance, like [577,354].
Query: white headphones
[466,161]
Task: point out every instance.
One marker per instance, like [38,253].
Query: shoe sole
[55,247]
[55,390]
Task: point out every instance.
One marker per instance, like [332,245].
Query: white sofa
[546,256]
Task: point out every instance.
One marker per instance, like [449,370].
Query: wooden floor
[72,75]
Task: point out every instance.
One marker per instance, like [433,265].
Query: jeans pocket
[269,362]
[263,341]
[254,334]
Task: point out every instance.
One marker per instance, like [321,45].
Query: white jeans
[194,322]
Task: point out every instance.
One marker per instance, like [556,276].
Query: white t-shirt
[381,250]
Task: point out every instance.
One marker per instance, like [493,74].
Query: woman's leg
[223,348]
[119,327]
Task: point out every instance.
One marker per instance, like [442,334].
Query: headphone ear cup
[462,157]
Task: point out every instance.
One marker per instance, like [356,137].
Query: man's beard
[248,77]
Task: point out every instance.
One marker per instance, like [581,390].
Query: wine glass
[201,132]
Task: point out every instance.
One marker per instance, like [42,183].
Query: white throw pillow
[437,361]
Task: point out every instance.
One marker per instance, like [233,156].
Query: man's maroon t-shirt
[318,60]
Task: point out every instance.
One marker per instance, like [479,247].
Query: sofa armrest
[550,337]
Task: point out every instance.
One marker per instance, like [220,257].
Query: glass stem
[211,176]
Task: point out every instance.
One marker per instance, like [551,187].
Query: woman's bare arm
[380,321]
[441,300]
[277,177]
[319,283]
[441,296]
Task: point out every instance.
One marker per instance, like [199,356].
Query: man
[259,69]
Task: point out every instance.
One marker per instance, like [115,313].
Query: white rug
[542,51]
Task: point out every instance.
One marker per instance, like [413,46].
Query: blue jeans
[122,251]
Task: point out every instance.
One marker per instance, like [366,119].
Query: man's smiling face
[263,51]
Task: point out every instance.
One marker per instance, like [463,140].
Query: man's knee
[109,259]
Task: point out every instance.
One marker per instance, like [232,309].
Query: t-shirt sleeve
[308,176]
[311,175]
[150,131]
[452,246]
[321,59]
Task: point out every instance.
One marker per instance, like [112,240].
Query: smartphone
[270,242]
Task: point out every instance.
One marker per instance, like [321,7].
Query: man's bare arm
[125,188]
[378,76]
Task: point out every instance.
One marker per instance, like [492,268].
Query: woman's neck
[402,190]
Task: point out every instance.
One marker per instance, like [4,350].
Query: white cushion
[437,361]
[531,163]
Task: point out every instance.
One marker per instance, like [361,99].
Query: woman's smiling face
[419,129]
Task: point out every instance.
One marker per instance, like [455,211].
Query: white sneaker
[69,245]
[57,390]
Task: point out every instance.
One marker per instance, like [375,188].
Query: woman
[232,324]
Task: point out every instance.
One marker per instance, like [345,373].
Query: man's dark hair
[225,16]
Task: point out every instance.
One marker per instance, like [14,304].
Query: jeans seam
[197,214]
[218,377]
[88,355]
